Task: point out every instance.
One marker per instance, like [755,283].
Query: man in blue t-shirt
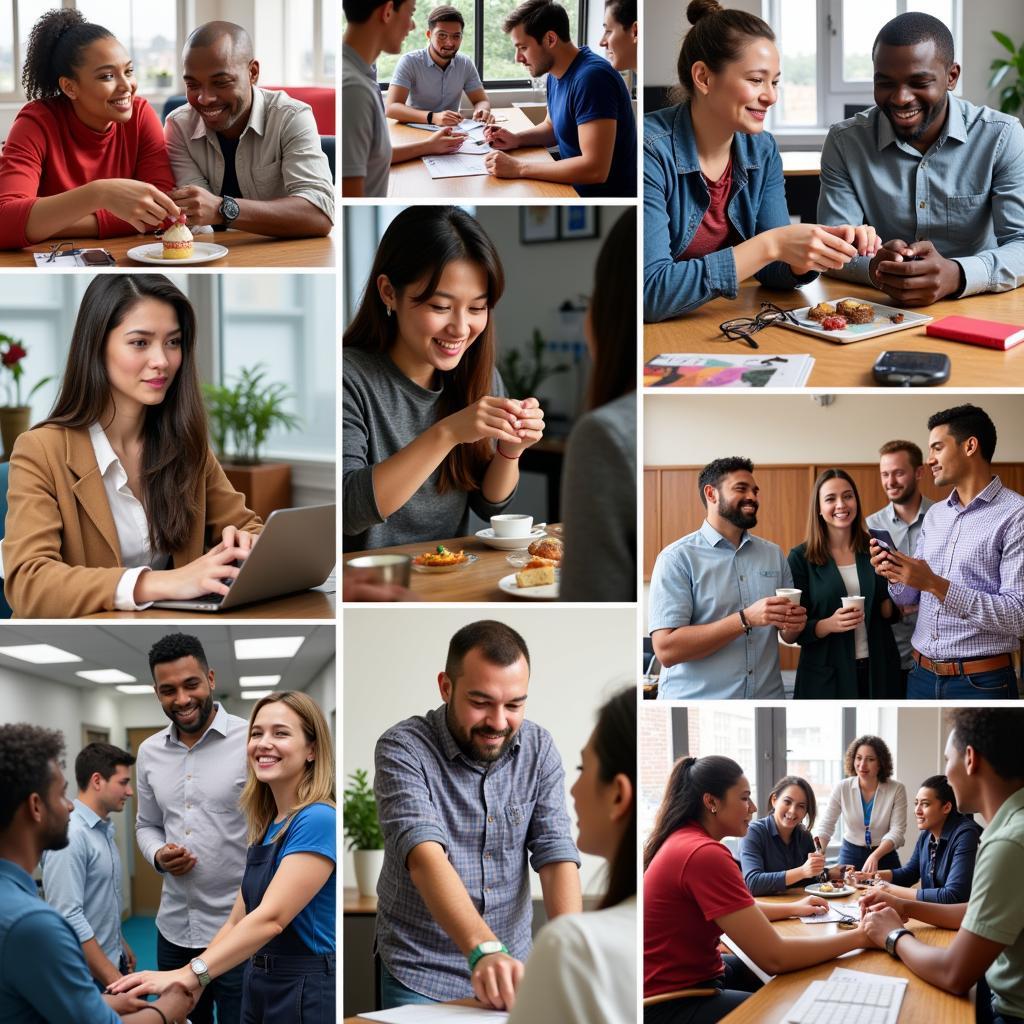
[43,976]
[590,114]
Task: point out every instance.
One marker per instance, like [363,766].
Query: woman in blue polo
[714,199]
[943,859]
[778,851]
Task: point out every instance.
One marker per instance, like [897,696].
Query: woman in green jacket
[847,651]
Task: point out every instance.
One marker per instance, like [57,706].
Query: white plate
[205,252]
[465,564]
[855,332]
[508,543]
[815,890]
[545,593]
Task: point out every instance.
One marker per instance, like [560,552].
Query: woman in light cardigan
[873,805]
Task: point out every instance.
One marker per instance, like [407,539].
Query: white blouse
[888,814]
[860,634]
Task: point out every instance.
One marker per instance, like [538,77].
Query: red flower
[14,354]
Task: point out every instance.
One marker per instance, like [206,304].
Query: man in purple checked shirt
[968,573]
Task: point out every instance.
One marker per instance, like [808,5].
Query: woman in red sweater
[86,157]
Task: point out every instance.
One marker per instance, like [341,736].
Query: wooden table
[922,1002]
[411,179]
[800,162]
[308,604]
[245,250]
[850,365]
[476,582]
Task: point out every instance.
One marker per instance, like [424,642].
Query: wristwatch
[229,210]
[743,622]
[485,948]
[430,117]
[200,970]
[892,938]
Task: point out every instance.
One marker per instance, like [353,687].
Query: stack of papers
[850,997]
[686,370]
[454,165]
[835,914]
[437,1013]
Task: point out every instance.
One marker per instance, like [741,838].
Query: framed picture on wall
[538,224]
[579,221]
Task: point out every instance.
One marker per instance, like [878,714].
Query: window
[489,47]
[825,47]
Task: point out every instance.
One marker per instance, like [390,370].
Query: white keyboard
[843,1002]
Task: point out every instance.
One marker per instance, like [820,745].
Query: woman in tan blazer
[114,499]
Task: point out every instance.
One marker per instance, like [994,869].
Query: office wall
[393,657]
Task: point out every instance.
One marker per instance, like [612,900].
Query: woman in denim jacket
[714,198]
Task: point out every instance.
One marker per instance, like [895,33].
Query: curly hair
[994,733]
[882,752]
[54,51]
[25,755]
[175,646]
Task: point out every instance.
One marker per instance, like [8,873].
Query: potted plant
[15,419]
[362,830]
[241,417]
[523,373]
[1011,99]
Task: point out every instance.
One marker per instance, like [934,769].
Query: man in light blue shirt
[83,881]
[941,180]
[714,614]
[43,977]
[901,465]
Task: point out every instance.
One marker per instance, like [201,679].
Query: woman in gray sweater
[428,430]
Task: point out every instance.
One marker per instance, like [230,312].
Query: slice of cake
[535,575]
[177,241]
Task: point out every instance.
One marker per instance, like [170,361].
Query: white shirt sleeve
[124,594]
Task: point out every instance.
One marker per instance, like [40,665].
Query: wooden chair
[683,993]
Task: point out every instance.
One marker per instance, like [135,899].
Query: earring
[714,810]
[388,308]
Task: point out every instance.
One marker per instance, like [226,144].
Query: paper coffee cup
[853,602]
[791,594]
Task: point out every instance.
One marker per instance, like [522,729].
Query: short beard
[926,122]
[732,514]
[906,497]
[205,711]
[56,839]
[464,741]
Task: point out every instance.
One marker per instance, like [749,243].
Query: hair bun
[698,8]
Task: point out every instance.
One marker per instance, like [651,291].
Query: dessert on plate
[856,312]
[539,572]
[177,240]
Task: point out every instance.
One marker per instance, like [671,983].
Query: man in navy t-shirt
[590,115]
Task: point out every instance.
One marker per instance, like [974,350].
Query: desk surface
[411,179]
[922,1002]
[309,604]
[797,163]
[244,250]
[476,582]
[847,365]
[355,903]
[454,1002]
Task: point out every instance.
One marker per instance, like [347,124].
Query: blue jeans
[1000,683]
[856,855]
[225,991]
[393,993]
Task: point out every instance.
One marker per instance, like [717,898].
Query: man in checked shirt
[968,572]
[469,796]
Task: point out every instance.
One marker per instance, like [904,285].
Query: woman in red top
[86,157]
[694,892]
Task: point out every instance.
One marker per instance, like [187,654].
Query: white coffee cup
[511,525]
[791,594]
[854,602]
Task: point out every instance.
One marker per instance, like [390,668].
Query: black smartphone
[884,538]
[96,258]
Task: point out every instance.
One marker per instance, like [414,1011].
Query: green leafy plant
[523,373]
[1011,98]
[241,416]
[12,355]
[359,814]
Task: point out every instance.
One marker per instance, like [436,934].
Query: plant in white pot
[362,830]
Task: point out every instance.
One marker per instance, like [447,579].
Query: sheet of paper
[436,1013]
[454,165]
[833,915]
[474,147]
[864,978]
[698,370]
[467,124]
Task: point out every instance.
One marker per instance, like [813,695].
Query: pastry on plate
[820,311]
[177,240]
[536,573]
[548,548]
[856,312]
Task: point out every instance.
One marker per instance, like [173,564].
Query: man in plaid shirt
[968,569]
[469,796]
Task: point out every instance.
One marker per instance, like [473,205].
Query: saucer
[509,543]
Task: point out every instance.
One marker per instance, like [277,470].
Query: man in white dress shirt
[189,778]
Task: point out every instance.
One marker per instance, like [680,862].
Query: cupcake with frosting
[177,240]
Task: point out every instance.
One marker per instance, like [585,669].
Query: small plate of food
[443,560]
[155,254]
[850,319]
[830,890]
[547,551]
[538,582]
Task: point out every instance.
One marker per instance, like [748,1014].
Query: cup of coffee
[511,525]
[853,602]
[381,569]
[791,594]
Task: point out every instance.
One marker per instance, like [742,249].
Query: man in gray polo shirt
[901,465]
[190,827]
[375,27]
[242,156]
[428,84]
[464,794]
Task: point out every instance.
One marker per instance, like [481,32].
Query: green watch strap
[485,949]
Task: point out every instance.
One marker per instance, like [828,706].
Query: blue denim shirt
[954,862]
[675,201]
[965,195]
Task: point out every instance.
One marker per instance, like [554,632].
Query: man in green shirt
[985,766]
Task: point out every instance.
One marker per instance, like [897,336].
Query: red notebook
[989,333]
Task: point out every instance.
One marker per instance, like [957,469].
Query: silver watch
[201,971]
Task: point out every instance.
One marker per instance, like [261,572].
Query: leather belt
[963,668]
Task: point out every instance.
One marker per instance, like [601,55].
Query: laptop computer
[295,551]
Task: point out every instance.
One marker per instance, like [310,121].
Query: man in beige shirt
[243,156]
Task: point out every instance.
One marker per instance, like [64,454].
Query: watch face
[491,946]
[199,966]
[229,208]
